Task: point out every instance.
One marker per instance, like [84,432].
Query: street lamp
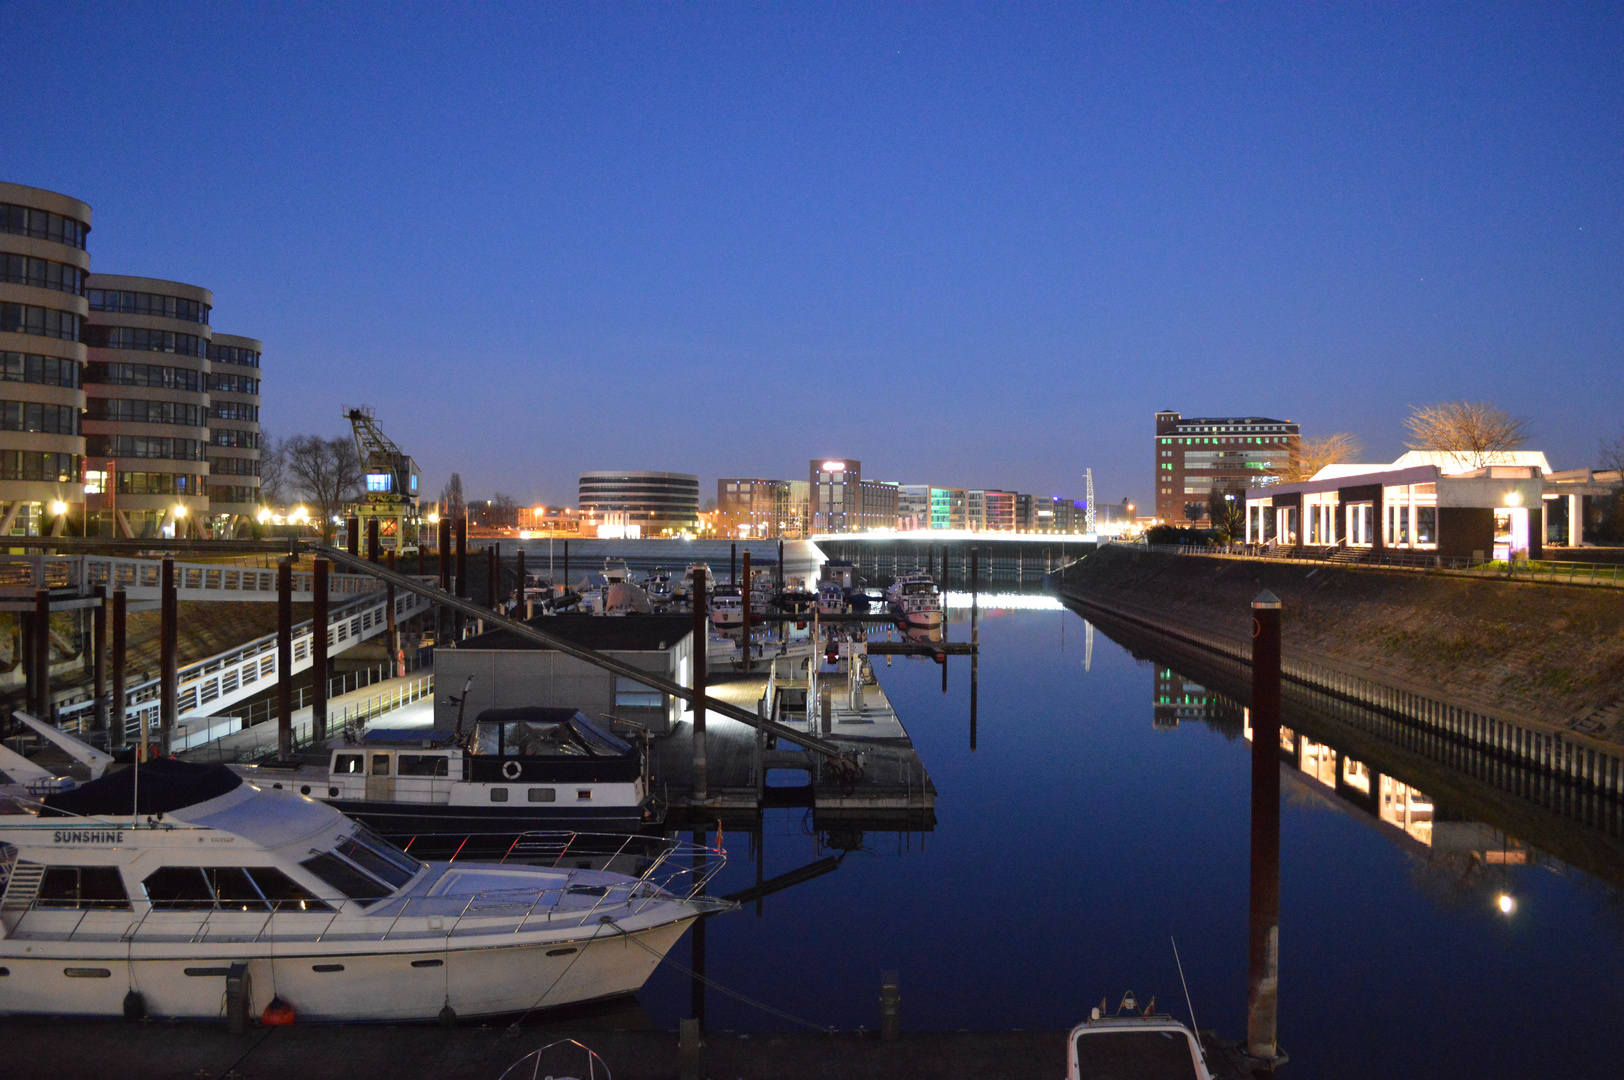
[1506,904]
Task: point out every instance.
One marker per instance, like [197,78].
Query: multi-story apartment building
[878,504]
[751,506]
[836,495]
[43,264]
[1200,454]
[113,382]
[949,508]
[991,510]
[234,431]
[913,506]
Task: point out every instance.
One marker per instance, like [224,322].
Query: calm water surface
[1081,833]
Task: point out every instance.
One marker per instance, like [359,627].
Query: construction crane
[1088,503]
[390,479]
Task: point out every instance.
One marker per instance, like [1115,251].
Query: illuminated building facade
[1198,455]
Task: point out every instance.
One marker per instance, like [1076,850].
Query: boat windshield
[1153,1055]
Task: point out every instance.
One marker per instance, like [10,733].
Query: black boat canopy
[156,787]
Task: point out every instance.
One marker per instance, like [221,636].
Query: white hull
[494,977]
[929,619]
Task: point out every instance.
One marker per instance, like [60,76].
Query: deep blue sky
[973,245]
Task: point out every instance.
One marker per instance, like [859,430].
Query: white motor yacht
[914,598]
[726,608]
[831,598]
[181,890]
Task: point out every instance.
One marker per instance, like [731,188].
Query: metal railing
[141,578]
[208,687]
[262,740]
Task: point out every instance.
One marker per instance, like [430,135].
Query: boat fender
[448,1016]
[277,1014]
[135,1005]
[511,769]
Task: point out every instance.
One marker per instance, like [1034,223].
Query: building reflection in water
[1353,783]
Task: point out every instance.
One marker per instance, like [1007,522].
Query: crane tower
[389,478]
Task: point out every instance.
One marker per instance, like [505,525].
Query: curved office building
[43,265]
[147,405]
[234,432]
[660,503]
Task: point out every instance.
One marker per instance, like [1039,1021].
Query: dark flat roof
[611,633]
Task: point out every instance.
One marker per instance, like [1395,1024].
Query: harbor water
[1103,811]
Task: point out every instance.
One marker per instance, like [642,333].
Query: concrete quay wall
[1533,672]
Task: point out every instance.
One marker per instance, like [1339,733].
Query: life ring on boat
[512,769]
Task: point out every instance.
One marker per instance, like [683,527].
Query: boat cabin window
[345,878]
[543,794]
[380,765]
[378,857]
[631,694]
[347,764]
[82,887]
[227,888]
[1156,1055]
[422,765]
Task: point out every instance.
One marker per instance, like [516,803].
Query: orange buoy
[277,1014]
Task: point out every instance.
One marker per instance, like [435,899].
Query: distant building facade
[836,494]
[1198,455]
[752,506]
[877,504]
[657,503]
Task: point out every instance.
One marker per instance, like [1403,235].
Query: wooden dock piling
[284,656]
[318,650]
[1263,953]
[701,634]
[169,658]
[116,736]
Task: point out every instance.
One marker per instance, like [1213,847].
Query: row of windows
[143,303]
[145,412]
[42,274]
[158,483]
[32,465]
[46,322]
[178,888]
[156,375]
[144,446]
[235,438]
[234,384]
[234,466]
[139,337]
[235,410]
[34,416]
[232,354]
[42,225]
[34,368]
[232,494]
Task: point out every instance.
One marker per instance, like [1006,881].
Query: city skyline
[975,247]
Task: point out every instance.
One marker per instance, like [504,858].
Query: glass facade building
[660,503]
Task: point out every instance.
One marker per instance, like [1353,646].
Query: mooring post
[374,541]
[688,1042]
[117,736]
[975,652]
[745,593]
[566,564]
[318,651]
[42,654]
[461,526]
[169,658]
[701,838]
[493,576]
[1263,953]
[733,563]
[700,637]
[397,658]
[780,564]
[422,553]
[98,643]
[520,604]
[890,1007]
[352,534]
[442,561]
[284,656]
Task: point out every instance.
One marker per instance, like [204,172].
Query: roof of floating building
[1448,462]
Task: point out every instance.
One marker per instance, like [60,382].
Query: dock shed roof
[606,633]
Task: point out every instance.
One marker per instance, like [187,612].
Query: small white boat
[1148,1045]
[831,598]
[181,890]
[726,608]
[914,598]
[615,571]
[660,587]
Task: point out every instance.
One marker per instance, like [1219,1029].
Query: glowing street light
[264,515]
[180,510]
[1506,904]
[58,508]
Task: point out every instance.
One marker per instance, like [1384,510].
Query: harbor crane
[390,479]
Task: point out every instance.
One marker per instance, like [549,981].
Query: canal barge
[519,769]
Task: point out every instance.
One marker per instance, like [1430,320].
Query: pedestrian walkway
[395,703]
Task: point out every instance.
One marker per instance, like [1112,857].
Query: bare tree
[1612,456]
[325,471]
[452,504]
[273,470]
[1472,432]
[1314,454]
[503,501]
